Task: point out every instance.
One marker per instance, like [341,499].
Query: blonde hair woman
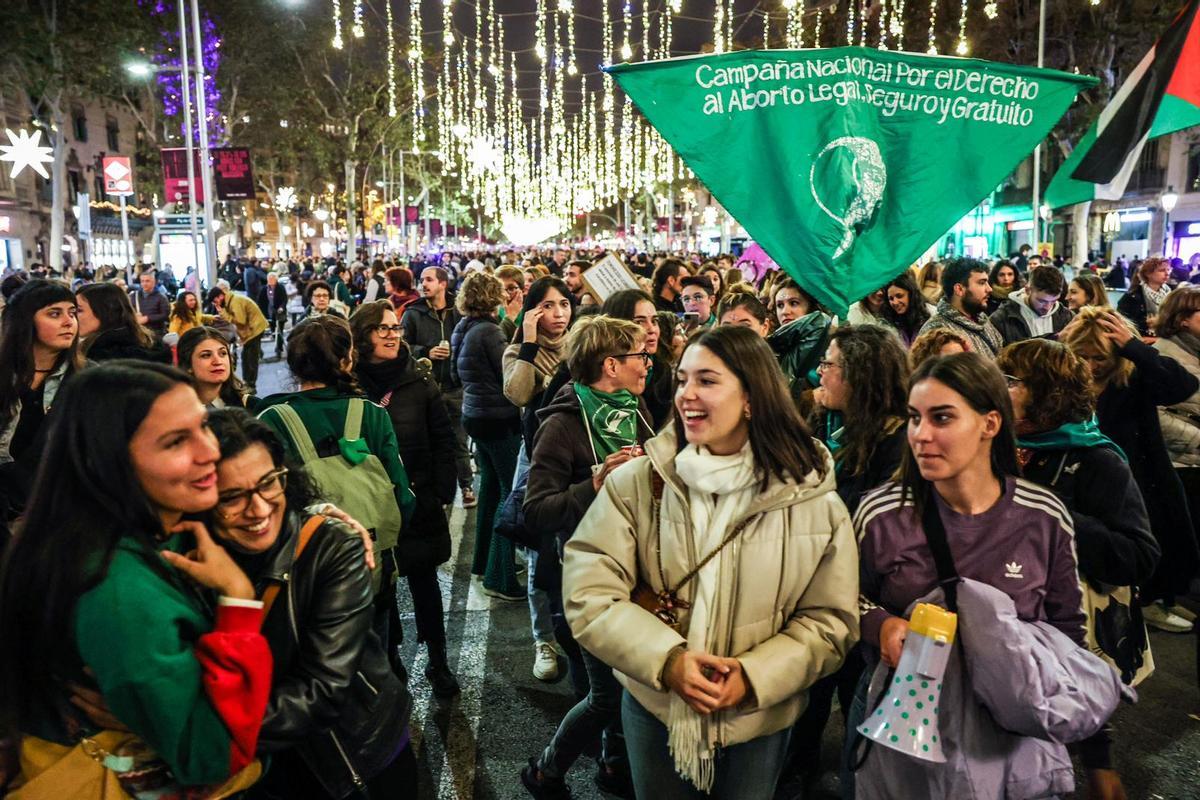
[1131,381]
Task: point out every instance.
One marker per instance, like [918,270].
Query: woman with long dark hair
[906,309]
[961,464]
[732,532]
[204,354]
[109,328]
[638,307]
[39,349]
[861,417]
[187,314]
[385,369]
[1005,279]
[102,545]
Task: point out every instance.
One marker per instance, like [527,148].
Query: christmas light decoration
[961,47]
[337,25]
[933,51]
[990,9]
[416,69]
[391,61]
[358,29]
[25,150]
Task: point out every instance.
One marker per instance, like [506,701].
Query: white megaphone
[907,717]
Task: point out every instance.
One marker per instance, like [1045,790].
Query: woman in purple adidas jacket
[1002,530]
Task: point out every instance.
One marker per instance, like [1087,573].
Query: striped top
[1023,545]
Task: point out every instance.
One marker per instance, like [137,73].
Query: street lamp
[1168,201]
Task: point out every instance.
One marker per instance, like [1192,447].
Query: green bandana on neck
[1070,435]
[611,418]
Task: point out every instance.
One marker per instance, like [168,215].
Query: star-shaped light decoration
[285,198]
[26,151]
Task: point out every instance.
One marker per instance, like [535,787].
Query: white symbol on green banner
[864,175]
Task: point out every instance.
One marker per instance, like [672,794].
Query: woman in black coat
[1061,448]
[110,330]
[336,725]
[390,377]
[1132,381]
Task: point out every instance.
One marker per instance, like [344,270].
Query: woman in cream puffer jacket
[774,611]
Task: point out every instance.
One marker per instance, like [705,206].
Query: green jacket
[323,412]
[140,634]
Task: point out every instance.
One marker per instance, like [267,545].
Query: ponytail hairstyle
[321,350]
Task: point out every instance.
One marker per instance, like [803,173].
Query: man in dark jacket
[272,301]
[1033,311]
[149,304]
[254,278]
[428,323]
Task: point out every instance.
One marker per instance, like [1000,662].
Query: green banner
[846,164]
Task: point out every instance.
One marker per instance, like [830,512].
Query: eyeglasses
[384,330]
[1013,380]
[271,487]
[824,365]
[694,298]
[644,356]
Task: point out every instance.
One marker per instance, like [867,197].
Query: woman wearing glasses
[387,373]
[594,424]
[337,719]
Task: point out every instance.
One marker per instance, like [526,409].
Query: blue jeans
[540,614]
[596,716]
[746,771]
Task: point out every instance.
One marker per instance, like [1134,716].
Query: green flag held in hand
[847,163]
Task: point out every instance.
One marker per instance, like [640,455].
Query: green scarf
[1070,435]
[610,417]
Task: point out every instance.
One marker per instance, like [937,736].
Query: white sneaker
[1158,617]
[545,662]
[1180,611]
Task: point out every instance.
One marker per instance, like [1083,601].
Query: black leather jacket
[334,697]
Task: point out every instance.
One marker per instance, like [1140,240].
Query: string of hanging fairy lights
[550,158]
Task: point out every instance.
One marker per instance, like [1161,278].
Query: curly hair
[1059,382]
[930,344]
[593,339]
[481,294]
[875,367]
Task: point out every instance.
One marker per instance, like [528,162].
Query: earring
[747,413]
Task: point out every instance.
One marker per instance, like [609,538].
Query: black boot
[438,673]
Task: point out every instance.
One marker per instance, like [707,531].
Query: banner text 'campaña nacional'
[946,93]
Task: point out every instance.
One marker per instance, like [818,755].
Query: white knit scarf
[720,489]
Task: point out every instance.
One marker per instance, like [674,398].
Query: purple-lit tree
[170,80]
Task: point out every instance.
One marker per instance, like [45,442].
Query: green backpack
[363,490]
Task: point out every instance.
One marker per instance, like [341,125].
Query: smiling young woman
[737,465]
[129,455]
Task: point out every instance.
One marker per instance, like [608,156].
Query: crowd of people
[727,498]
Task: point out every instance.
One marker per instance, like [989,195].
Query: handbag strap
[656,488]
[935,533]
[306,533]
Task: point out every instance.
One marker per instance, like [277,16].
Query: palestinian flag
[1160,97]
